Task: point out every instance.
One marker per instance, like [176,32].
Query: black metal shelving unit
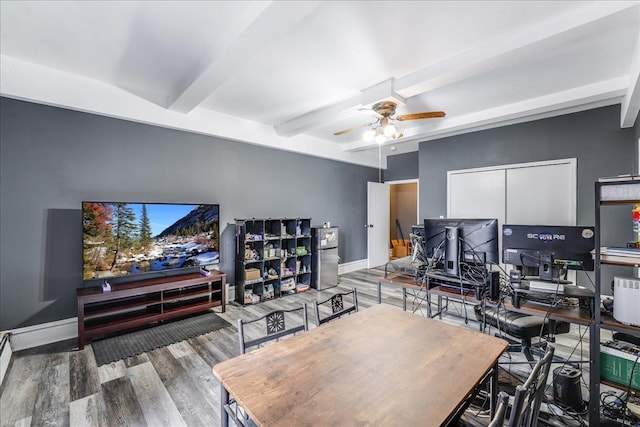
[608,192]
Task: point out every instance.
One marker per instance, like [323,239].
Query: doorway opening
[403,213]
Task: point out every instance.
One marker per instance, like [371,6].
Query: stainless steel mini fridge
[324,269]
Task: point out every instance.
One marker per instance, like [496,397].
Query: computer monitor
[452,241]
[548,251]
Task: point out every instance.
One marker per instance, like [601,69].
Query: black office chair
[528,396]
[277,325]
[521,326]
[501,410]
[336,306]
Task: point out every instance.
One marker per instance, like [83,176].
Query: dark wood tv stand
[134,304]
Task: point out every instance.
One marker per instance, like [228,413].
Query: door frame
[388,205]
[409,181]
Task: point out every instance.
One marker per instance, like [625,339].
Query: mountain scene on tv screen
[128,238]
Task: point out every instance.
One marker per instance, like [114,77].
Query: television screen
[124,239]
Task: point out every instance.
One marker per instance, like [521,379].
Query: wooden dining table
[379,367]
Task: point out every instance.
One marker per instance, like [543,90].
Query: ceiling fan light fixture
[390,130]
[369,135]
[382,129]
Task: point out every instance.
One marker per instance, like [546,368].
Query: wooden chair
[501,410]
[528,396]
[336,304]
[277,325]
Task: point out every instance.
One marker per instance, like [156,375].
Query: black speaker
[566,387]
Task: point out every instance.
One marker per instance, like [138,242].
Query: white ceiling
[288,74]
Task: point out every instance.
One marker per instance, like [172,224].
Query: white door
[377,224]
[477,195]
[542,194]
[526,193]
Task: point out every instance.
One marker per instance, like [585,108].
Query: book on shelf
[624,177]
[621,255]
[620,259]
[620,251]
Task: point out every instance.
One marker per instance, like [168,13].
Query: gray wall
[52,159]
[593,137]
[402,166]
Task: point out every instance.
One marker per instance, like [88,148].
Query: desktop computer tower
[493,285]
[452,251]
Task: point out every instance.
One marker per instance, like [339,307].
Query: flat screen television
[127,239]
[548,250]
[451,241]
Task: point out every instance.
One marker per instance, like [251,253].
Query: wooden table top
[380,366]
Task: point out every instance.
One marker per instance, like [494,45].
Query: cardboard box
[251,274]
[616,363]
[400,251]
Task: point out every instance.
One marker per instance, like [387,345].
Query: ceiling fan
[382,129]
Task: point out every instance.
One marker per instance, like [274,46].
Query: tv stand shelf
[133,304]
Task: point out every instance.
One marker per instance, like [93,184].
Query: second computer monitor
[452,241]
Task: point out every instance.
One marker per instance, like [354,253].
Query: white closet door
[478,194]
[543,194]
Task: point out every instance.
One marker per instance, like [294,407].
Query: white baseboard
[44,333]
[348,267]
[5,357]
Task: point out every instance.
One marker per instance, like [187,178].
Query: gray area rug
[109,350]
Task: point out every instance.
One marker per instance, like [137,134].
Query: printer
[626,300]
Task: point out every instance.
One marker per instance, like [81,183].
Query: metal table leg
[493,390]
[224,400]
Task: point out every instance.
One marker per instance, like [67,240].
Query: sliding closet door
[526,193]
[477,194]
[542,194]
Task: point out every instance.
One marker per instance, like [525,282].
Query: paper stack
[620,255]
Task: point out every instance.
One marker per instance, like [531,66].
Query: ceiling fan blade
[372,112]
[425,115]
[342,132]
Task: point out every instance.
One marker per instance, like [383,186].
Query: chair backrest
[528,396]
[336,306]
[277,325]
[501,410]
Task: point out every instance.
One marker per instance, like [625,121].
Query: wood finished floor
[57,385]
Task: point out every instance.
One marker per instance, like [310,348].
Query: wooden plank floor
[58,385]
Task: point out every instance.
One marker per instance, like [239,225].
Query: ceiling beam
[256,30]
[630,106]
[382,91]
[471,63]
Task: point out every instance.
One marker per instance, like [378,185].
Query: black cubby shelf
[280,250]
